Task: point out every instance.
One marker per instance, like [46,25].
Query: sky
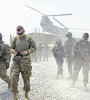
[14,13]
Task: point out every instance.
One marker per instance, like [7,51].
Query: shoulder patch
[28,37]
[14,39]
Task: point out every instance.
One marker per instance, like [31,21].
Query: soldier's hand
[25,53]
[14,52]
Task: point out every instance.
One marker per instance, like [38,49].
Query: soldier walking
[22,47]
[5,57]
[68,47]
[45,52]
[58,52]
[81,57]
[39,51]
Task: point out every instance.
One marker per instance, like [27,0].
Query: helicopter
[48,26]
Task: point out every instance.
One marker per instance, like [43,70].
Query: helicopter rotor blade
[34,9]
[60,14]
[60,23]
[78,29]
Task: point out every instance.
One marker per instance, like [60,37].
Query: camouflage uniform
[68,47]
[58,52]
[22,64]
[81,57]
[5,56]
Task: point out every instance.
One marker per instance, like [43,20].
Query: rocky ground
[45,85]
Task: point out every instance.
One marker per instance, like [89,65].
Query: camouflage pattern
[5,52]
[24,67]
[58,52]
[31,44]
[81,58]
[22,64]
[68,47]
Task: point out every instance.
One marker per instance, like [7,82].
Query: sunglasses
[20,33]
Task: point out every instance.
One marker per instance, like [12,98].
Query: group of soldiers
[42,53]
[77,55]
[21,48]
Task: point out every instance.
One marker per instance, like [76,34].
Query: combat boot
[15,96]
[26,96]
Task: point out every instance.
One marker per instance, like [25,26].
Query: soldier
[39,51]
[5,56]
[58,52]
[22,47]
[81,57]
[45,51]
[68,51]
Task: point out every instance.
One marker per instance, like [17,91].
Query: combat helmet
[68,34]
[58,41]
[85,36]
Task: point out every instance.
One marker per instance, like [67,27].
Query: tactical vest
[25,43]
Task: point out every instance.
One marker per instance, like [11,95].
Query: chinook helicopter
[48,26]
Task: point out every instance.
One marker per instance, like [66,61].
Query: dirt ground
[45,85]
